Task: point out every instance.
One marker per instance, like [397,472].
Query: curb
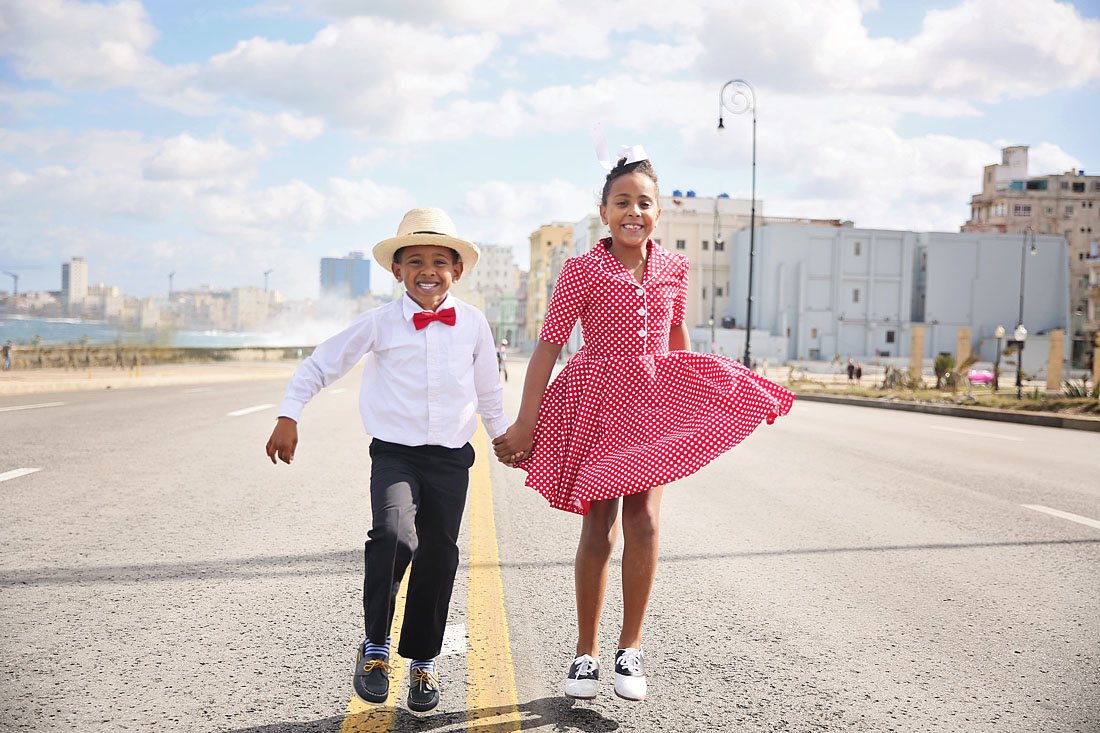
[1044,419]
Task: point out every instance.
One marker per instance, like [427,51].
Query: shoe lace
[631,661]
[425,678]
[586,665]
[372,664]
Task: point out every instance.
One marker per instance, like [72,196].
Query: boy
[430,365]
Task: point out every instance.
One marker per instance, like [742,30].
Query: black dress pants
[418,494]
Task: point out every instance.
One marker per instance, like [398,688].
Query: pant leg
[444,482]
[392,540]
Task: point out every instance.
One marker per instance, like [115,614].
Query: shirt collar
[410,307]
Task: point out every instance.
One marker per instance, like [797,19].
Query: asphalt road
[845,569]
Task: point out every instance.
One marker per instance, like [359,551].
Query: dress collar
[657,259]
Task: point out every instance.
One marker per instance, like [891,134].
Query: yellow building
[551,244]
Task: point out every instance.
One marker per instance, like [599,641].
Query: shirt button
[641,292]
[641,332]
[641,311]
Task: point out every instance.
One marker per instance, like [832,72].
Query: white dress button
[641,333]
[641,311]
[641,292]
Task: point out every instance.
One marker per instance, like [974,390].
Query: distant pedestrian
[851,370]
[7,355]
[859,372]
[429,368]
[632,410]
[502,359]
[120,363]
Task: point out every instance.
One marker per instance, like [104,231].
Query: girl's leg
[641,531]
[599,532]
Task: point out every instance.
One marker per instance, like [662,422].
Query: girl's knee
[641,514]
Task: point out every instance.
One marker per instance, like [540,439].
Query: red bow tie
[423,318]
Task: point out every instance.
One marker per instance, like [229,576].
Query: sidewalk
[37,381]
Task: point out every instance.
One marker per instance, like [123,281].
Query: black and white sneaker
[630,674]
[583,678]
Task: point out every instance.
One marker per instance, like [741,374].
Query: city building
[106,302]
[345,277]
[550,245]
[493,282]
[1063,204]
[249,308]
[827,292]
[74,285]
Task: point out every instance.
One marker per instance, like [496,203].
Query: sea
[59,331]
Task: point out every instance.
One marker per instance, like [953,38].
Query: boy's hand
[283,441]
[514,445]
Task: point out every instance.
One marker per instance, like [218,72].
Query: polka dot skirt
[626,414]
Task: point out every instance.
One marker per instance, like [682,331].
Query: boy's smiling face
[427,271]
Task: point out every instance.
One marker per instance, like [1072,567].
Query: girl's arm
[679,339]
[517,440]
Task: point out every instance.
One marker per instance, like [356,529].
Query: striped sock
[370,648]
[428,665]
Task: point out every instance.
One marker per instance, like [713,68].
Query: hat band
[440,234]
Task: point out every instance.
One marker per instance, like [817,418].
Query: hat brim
[467,251]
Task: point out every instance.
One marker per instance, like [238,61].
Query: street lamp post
[739,99]
[713,253]
[266,273]
[170,276]
[1000,334]
[1020,334]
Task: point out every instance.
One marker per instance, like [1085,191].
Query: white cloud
[78,45]
[980,49]
[370,75]
[278,129]
[212,162]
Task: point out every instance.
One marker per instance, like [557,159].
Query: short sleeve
[566,303]
[679,300]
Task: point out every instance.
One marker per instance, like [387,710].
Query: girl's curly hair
[623,168]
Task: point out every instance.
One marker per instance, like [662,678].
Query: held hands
[283,441]
[514,445]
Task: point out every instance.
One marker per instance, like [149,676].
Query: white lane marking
[455,640]
[1064,515]
[31,407]
[978,433]
[248,410]
[17,473]
[338,390]
[194,390]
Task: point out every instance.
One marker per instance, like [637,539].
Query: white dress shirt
[419,387]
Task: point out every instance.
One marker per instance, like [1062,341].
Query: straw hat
[426,226]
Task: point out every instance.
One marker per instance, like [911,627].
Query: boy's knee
[394,528]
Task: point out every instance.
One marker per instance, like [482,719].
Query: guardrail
[126,357]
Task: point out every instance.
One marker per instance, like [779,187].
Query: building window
[855,295]
[719,245]
[1096,185]
[1078,186]
[813,333]
[681,244]
[856,248]
[889,337]
[656,241]
[1068,212]
[1036,185]
[1000,209]
[718,293]
[706,245]
[1021,210]
[704,292]
[1049,211]
[1065,185]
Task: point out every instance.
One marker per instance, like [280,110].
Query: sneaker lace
[631,661]
[372,664]
[425,678]
[585,665]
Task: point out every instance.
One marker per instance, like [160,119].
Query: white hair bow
[632,153]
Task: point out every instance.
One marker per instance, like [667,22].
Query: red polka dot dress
[626,414]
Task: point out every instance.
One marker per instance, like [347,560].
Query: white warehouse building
[826,292]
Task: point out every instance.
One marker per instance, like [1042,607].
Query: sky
[220,140]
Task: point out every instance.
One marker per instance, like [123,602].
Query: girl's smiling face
[428,271]
[632,210]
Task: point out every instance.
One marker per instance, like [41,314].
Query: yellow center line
[490,677]
[362,717]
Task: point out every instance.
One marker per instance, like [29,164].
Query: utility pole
[170,276]
[15,282]
[265,279]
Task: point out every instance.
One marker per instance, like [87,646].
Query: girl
[632,410]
